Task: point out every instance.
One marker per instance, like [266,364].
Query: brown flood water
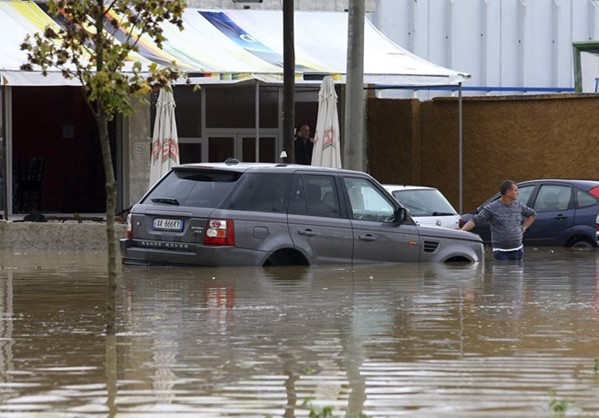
[384,341]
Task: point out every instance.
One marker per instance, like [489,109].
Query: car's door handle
[560,217]
[307,232]
[368,237]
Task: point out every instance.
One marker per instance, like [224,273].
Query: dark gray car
[236,214]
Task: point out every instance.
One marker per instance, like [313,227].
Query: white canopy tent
[220,46]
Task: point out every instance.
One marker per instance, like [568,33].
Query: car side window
[367,201]
[524,193]
[315,195]
[585,199]
[262,192]
[552,198]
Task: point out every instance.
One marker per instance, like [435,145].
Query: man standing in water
[504,215]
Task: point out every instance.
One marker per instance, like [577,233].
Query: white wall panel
[421,25]
[594,24]
[504,43]
[466,29]
[512,22]
[536,39]
[395,16]
[438,43]
[563,62]
[490,52]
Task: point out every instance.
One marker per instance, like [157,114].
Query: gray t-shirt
[505,222]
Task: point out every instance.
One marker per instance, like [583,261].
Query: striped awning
[227,46]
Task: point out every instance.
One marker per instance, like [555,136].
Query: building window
[235,107]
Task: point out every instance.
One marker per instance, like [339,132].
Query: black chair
[28,174]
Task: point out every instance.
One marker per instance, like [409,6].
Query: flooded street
[382,341]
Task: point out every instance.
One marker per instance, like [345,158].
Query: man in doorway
[504,216]
[303,145]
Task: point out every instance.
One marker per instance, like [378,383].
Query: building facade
[508,46]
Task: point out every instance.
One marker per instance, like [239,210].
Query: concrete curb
[61,236]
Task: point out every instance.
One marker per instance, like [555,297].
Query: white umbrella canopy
[165,142]
[326,151]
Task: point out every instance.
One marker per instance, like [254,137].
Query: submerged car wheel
[287,257]
[579,242]
[458,260]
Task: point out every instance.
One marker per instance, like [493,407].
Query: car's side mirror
[400,215]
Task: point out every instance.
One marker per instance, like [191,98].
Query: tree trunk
[102,122]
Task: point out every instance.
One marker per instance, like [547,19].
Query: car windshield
[203,189]
[424,202]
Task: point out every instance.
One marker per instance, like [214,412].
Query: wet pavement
[382,341]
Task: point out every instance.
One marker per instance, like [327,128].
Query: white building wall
[501,43]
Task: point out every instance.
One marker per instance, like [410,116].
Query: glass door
[220,148]
[266,151]
[190,151]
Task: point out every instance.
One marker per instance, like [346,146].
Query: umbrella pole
[4,151]
[460,145]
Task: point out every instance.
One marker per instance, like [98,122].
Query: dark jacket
[303,151]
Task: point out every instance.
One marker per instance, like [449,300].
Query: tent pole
[257,144]
[460,145]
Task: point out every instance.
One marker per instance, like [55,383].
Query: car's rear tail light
[129,228]
[219,232]
[595,192]
[461,222]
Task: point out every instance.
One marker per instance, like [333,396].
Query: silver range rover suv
[255,214]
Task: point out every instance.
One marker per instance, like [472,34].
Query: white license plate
[167,224]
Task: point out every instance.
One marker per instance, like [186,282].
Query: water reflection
[410,340]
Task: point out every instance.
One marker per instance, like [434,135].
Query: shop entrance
[55,153]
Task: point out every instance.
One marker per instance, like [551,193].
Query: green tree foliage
[85,47]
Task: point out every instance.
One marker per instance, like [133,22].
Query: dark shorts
[509,255]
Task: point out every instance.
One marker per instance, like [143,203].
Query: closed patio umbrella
[327,149]
[165,143]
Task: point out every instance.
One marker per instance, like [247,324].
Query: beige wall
[519,138]
[413,142]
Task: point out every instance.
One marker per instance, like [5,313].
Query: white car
[427,205]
